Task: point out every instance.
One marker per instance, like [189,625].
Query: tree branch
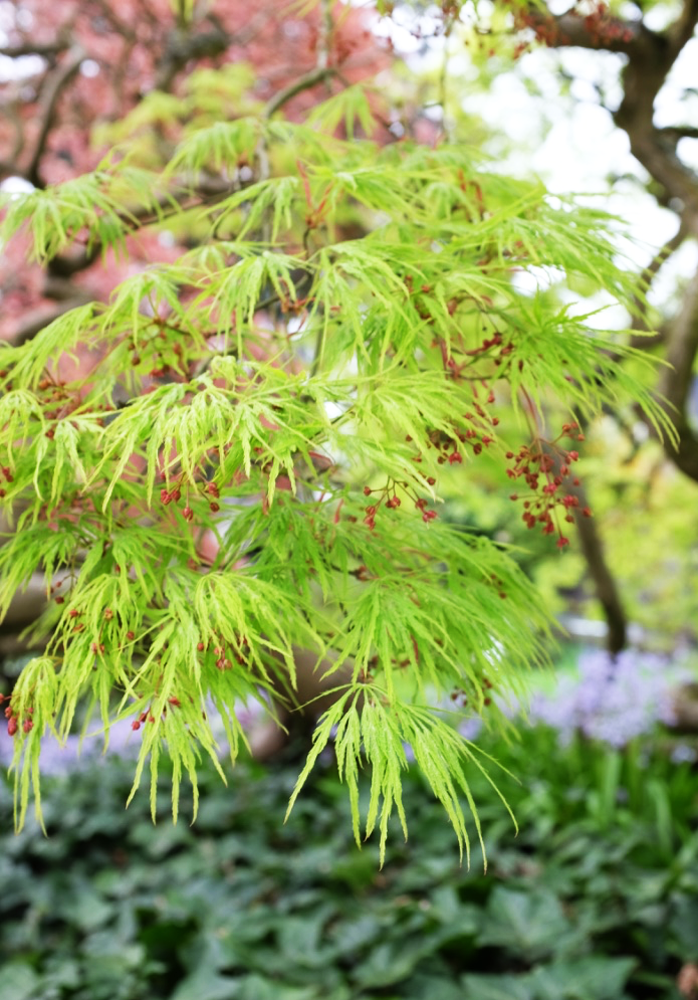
[34,322]
[643,78]
[182,48]
[572,30]
[305,82]
[9,166]
[33,49]
[676,132]
[675,383]
[57,82]
[651,57]
[604,582]
[639,320]
[66,266]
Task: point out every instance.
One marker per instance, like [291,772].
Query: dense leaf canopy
[244,450]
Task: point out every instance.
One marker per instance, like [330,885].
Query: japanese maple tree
[240,449]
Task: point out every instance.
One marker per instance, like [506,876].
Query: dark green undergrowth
[596,899]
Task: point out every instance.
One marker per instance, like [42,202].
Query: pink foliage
[98,60]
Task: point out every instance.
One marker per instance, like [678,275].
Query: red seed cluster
[388,497]
[174,495]
[226,653]
[427,515]
[14,719]
[475,430]
[545,468]
[149,717]
[459,695]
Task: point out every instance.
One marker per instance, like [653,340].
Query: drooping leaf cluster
[244,455]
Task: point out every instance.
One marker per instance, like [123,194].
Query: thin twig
[33,49]
[305,82]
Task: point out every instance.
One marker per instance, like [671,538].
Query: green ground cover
[596,899]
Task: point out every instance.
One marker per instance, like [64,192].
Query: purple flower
[609,700]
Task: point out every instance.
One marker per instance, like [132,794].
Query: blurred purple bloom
[610,700]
